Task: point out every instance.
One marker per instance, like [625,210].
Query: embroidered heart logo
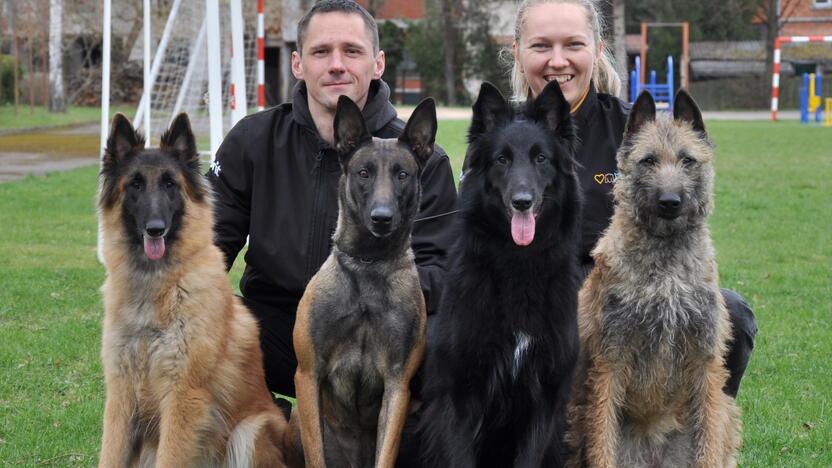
[599,178]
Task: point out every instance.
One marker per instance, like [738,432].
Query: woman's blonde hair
[604,76]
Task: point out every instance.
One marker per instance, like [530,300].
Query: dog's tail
[243,442]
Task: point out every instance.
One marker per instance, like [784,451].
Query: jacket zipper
[317,215]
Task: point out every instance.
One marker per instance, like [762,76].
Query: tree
[374,7]
[451,13]
[56,75]
[620,47]
[391,39]
[768,14]
[484,58]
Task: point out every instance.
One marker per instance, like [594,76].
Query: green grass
[772,229]
[39,116]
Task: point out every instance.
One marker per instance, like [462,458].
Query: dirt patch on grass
[37,153]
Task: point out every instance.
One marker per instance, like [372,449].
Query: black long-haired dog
[499,368]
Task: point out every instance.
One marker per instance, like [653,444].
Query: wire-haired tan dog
[182,362]
[652,320]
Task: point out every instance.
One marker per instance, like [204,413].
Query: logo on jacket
[607,178]
[215,168]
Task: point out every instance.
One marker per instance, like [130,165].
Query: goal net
[180,70]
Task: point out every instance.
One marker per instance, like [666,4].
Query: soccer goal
[203,57]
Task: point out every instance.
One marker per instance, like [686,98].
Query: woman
[561,40]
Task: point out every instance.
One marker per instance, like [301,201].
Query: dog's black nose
[155,228]
[381,215]
[670,203]
[521,201]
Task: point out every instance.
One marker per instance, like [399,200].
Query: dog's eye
[541,158]
[136,184]
[687,160]
[502,159]
[649,161]
[168,183]
[364,174]
[403,175]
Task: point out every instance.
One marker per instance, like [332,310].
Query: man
[276,177]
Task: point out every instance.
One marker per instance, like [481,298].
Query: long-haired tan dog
[181,355]
[652,320]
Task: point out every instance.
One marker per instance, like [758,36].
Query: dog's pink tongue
[522,228]
[154,247]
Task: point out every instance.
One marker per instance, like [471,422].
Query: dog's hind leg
[601,423]
[256,442]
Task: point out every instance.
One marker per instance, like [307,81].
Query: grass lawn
[772,229]
[40,116]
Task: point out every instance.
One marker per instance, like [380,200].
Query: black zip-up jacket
[276,182]
[600,121]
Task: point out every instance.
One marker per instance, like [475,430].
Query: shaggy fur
[181,355]
[498,373]
[652,320]
[360,329]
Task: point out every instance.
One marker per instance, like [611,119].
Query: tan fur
[628,401]
[306,418]
[182,360]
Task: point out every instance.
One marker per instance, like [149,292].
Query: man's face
[337,58]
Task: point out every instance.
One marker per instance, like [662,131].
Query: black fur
[150,184]
[481,408]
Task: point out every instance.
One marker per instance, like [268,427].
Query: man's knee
[743,322]
[744,330]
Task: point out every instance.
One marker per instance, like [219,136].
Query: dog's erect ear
[122,141]
[686,110]
[420,132]
[180,138]
[550,107]
[643,111]
[490,110]
[349,128]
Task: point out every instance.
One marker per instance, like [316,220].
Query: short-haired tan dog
[360,330]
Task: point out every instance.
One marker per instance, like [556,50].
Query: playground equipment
[662,92]
[828,110]
[810,97]
[775,73]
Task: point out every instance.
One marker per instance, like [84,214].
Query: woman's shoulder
[612,105]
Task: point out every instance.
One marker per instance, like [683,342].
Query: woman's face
[557,43]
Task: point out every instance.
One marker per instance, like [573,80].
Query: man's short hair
[342,6]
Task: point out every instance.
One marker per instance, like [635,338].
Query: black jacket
[276,182]
[600,120]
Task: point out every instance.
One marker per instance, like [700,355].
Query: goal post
[194,69]
[775,69]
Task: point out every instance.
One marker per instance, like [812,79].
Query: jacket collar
[587,108]
[378,111]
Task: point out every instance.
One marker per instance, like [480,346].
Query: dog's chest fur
[660,325]
[364,329]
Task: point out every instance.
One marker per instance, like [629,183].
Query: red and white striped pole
[775,69]
[261,57]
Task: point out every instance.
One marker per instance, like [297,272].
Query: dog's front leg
[116,440]
[542,442]
[311,434]
[184,414]
[391,421]
[714,429]
[601,425]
